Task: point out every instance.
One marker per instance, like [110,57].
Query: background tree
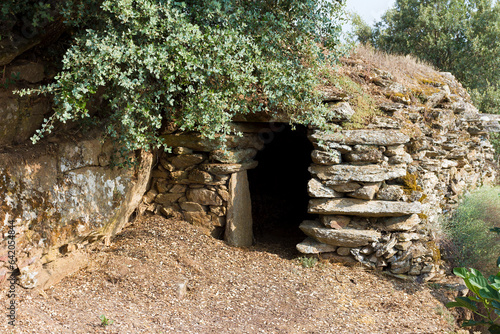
[459,36]
[195,63]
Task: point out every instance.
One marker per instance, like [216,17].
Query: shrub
[454,35]
[469,229]
[192,63]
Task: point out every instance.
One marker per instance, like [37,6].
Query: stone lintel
[198,143]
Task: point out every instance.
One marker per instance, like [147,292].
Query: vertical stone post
[239,231]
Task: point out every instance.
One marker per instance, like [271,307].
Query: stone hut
[372,195]
[370,192]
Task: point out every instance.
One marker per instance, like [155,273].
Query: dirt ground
[166,276]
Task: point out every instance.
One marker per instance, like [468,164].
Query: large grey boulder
[63,194]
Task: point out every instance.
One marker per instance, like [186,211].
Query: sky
[370,10]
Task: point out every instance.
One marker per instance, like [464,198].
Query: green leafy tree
[193,63]
[362,30]
[460,36]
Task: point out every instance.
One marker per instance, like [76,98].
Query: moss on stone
[436,252]
[363,104]
[410,183]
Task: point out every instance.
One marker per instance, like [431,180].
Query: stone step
[364,208]
[312,246]
[343,237]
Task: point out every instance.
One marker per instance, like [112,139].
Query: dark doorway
[278,186]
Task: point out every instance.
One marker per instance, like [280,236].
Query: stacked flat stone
[194,181]
[365,212]
[378,192]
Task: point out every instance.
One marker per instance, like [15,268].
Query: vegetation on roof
[192,63]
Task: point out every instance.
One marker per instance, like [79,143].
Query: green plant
[469,230]
[105,321]
[308,262]
[486,292]
[7,82]
[495,141]
[192,63]
[363,104]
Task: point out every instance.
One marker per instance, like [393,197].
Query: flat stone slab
[311,246]
[239,224]
[405,223]
[318,190]
[368,137]
[198,143]
[343,237]
[364,208]
[366,173]
[223,169]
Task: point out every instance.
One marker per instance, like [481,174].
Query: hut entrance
[278,186]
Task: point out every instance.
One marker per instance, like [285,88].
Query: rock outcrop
[61,196]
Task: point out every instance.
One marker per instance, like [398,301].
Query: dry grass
[407,70]
[342,81]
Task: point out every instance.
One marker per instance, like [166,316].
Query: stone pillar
[239,231]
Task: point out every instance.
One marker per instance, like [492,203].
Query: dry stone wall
[377,193]
[206,186]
